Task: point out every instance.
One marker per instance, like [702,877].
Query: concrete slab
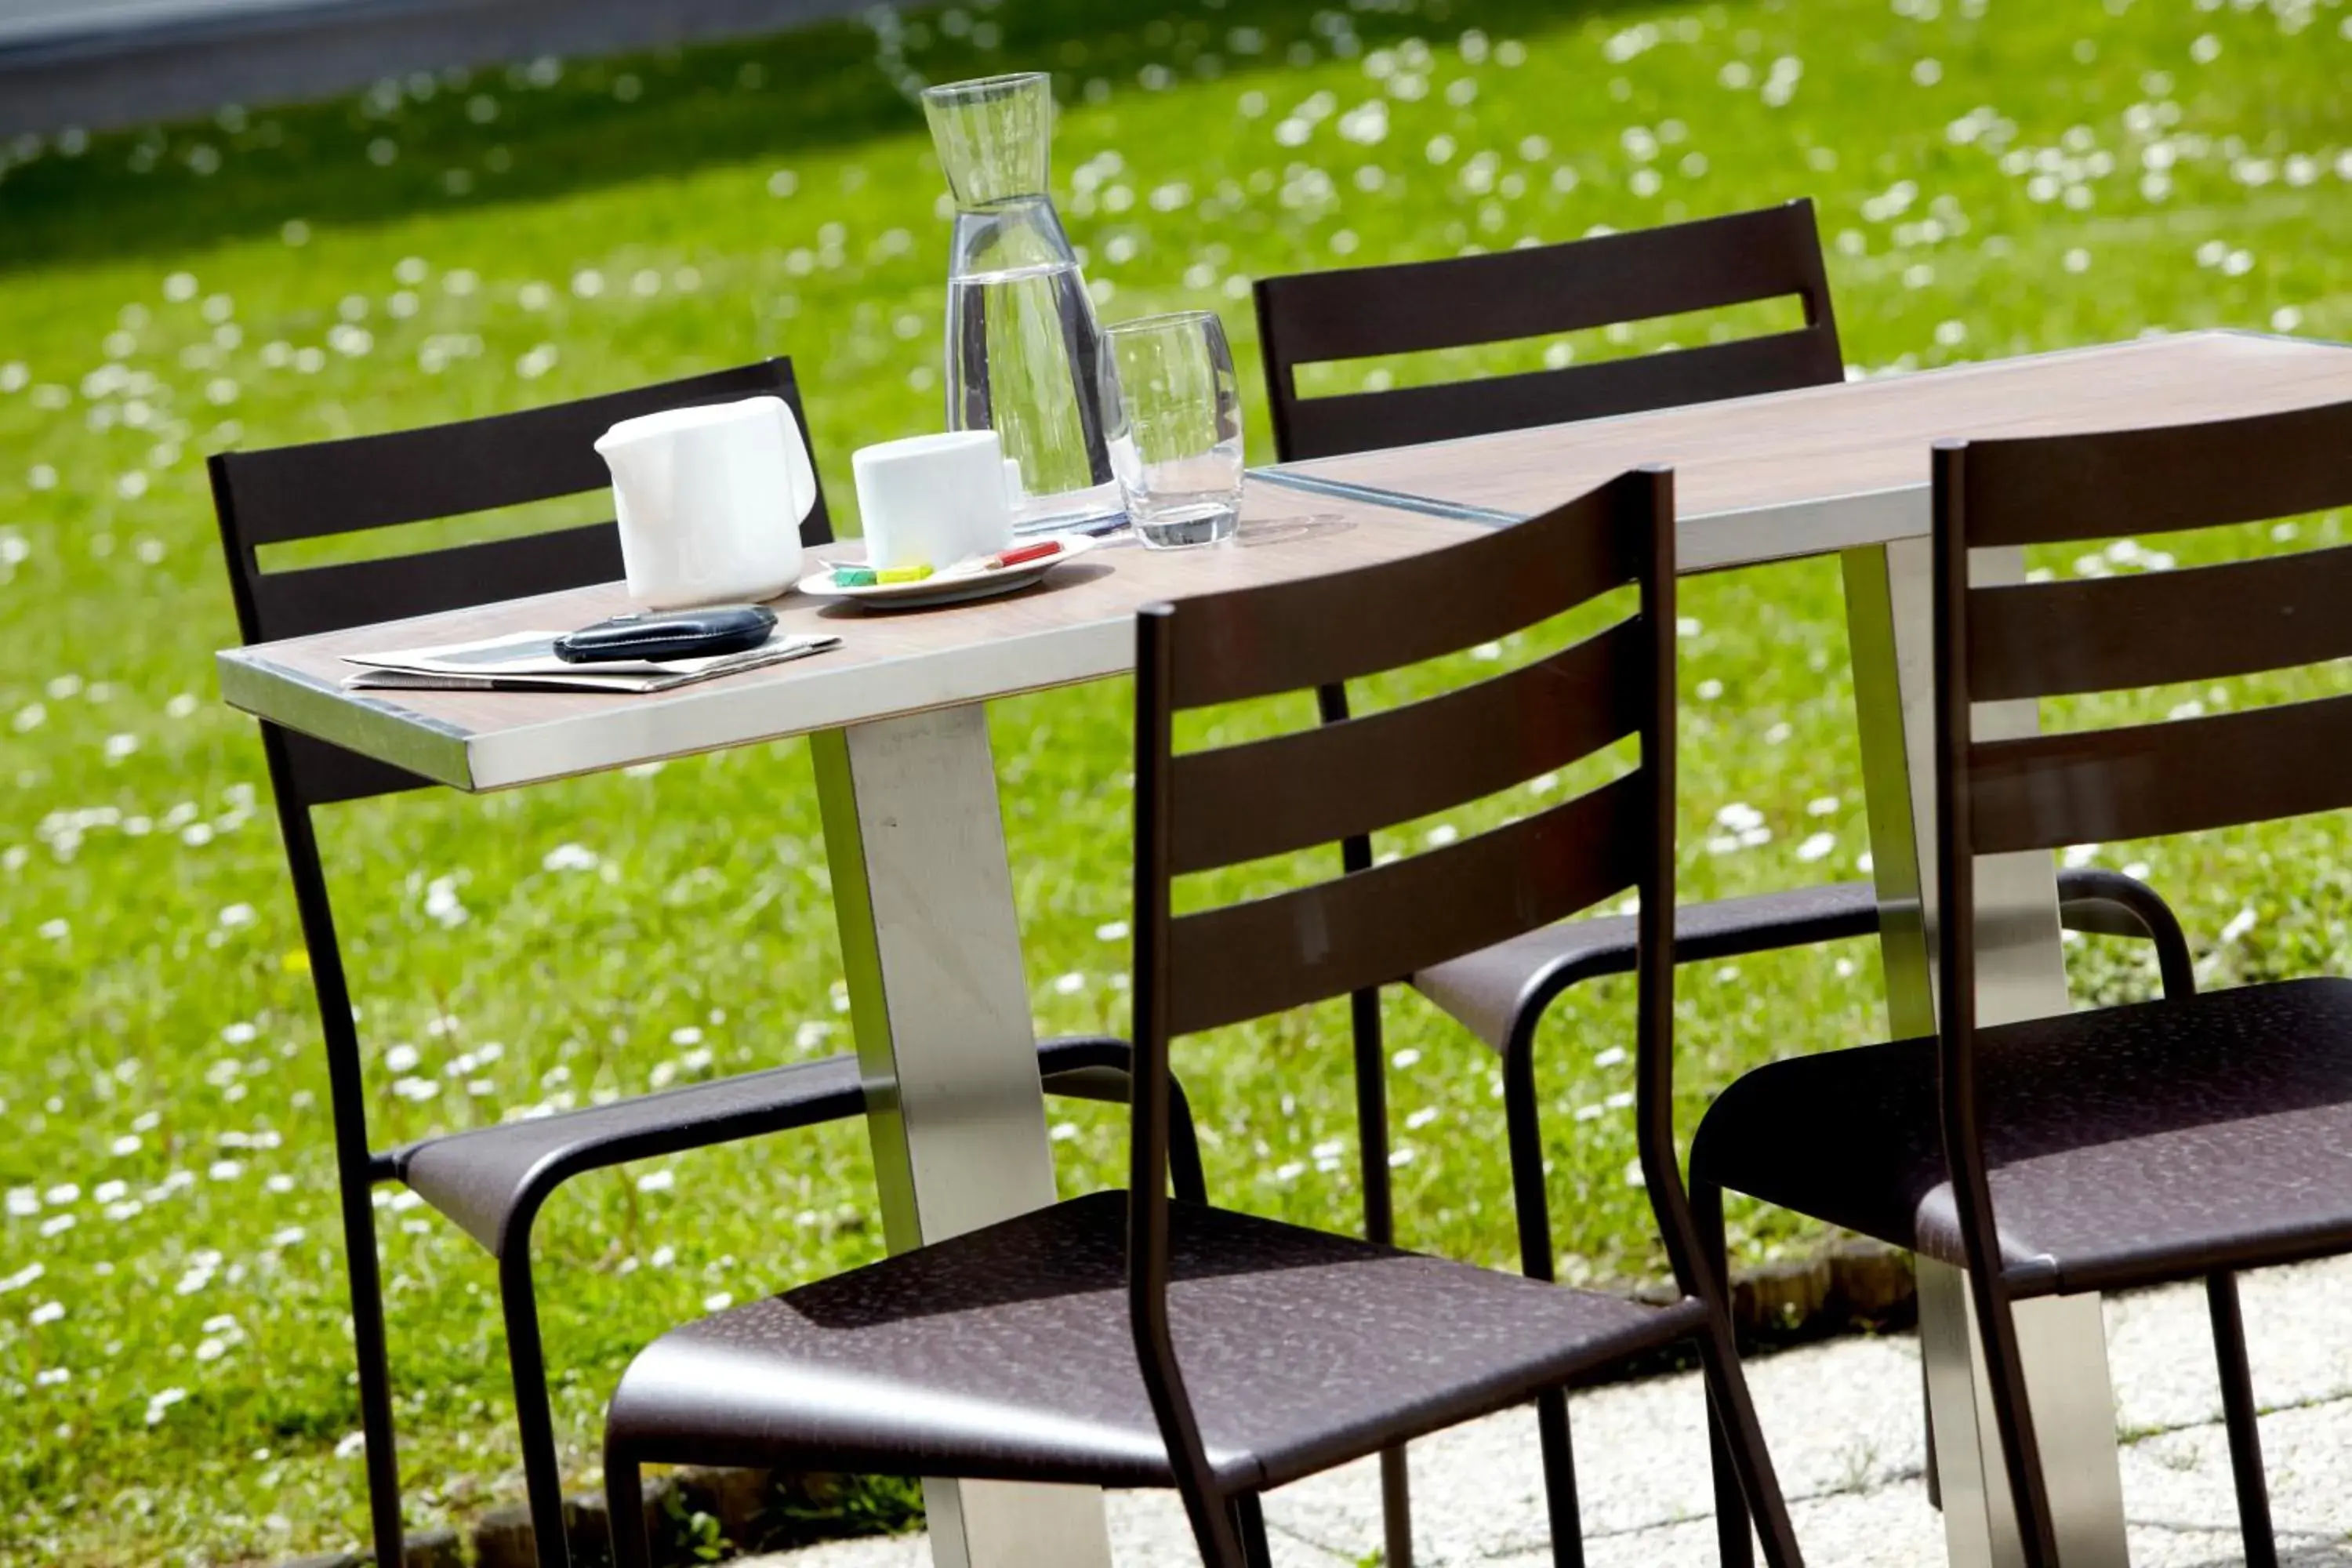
[2298,1339]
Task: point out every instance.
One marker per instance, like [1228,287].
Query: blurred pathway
[1843,1420]
[104,63]
[24,21]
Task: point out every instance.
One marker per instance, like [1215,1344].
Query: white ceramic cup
[710,501]
[933,500]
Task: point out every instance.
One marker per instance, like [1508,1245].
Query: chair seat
[486,1177]
[2124,1145]
[1006,1353]
[1490,991]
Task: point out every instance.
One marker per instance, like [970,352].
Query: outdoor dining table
[931,933]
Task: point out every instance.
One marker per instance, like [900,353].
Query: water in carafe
[1024,356]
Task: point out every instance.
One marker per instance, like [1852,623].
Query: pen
[1036,552]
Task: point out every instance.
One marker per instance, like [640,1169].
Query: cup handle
[796,457]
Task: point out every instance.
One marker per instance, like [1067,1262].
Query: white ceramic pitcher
[710,501]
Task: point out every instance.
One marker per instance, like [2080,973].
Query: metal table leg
[2021,974]
[931,944]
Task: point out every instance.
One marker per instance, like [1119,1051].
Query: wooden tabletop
[1757,478]
[1802,473]
[1077,624]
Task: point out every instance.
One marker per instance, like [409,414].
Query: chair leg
[1733,1413]
[2013,1413]
[1735,1540]
[2238,1416]
[1559,1478]
[1380,1226]
[1396,1508]
[1216,1528]
[1532,1205]
[1249,1519]
[542,1468]
[625,1506]
[1372,1132]
[374,1363]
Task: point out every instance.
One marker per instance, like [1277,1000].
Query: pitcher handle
[796,457]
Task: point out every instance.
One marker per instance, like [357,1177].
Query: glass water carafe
[1025,357]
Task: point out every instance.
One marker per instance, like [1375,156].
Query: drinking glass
[1176,438]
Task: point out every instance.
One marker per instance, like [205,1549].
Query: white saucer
[950,587]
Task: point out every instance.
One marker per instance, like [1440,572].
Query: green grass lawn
[1992,179]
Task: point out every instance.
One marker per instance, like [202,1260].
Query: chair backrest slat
[1363,421]
[325,772]
[2092,634]
[2051,488]
[1242,802]
[448,470]
[1286,637]
[2148,781]
[314,599]
[1412,305]
[2149,629]
[1541,290]
[1318,785]
[366,482]
[1244,961]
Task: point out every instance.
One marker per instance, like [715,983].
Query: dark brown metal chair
[2169,1140]
[493,1180]
[1415,307]
[1127,1340]
[1502,994]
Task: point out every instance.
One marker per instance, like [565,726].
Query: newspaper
[526,661]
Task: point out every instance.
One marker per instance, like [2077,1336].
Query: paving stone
[1641,1455]
[871,1552]
[2179,1496]
[1891,1528]
[1149,1527]
[2298,1342]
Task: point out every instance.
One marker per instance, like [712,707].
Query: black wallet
[676,634]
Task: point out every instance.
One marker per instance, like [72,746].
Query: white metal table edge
[1704,541]
[718,716]
[726,713]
